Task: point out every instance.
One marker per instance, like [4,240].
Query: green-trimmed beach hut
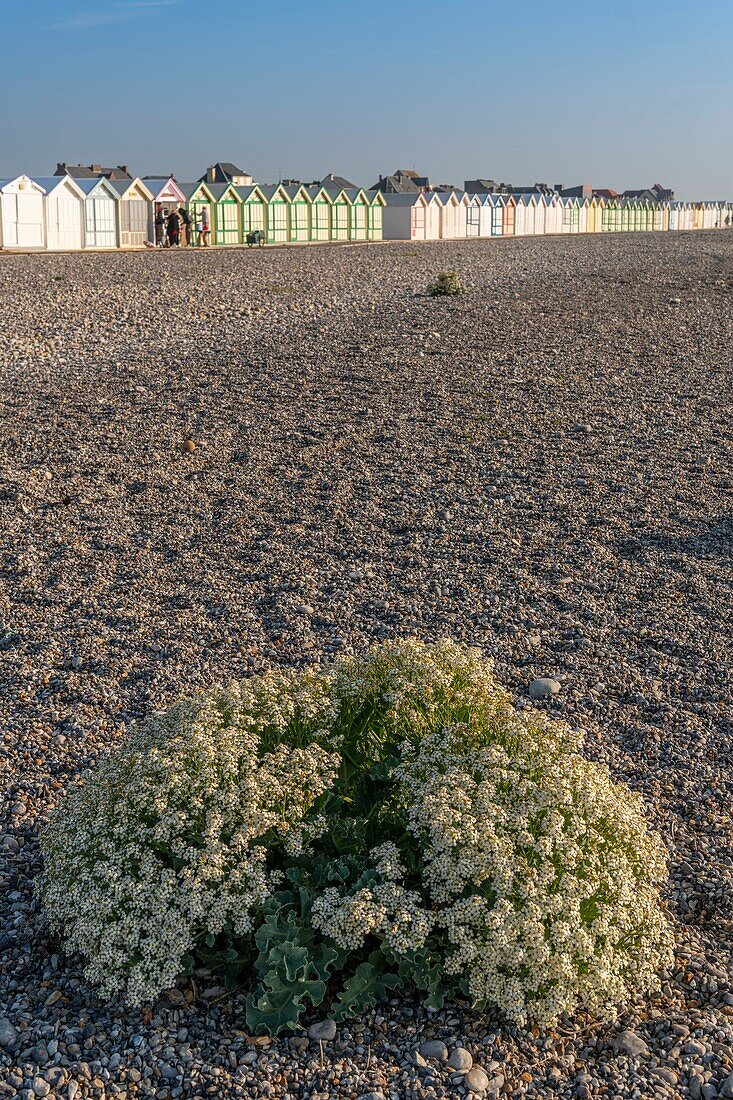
[277,213]
[359,214]
[227,213]
[199,197]
[377,203]
[253,210]
[300,213]
[340,213]
[626,216]
[321,203]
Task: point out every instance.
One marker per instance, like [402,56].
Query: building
[135,211]
[656,193]
[64,203]
[403,217]
[480,187]
[93,171]
[101,211]
[226,172]
[22,214]
[402,182]
[334,181]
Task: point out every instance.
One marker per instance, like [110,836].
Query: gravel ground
[541,466]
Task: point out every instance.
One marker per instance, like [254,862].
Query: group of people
[174,228]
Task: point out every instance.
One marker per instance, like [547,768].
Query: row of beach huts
[59,213]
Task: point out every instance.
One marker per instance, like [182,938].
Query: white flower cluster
[545,872]
[383,908]
[537,873]
[167,840]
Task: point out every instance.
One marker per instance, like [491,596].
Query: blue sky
[622,93]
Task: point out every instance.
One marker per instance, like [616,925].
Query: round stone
[543,688]
[460,1060]
[476,1080]
[189,446]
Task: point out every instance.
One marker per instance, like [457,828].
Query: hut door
[30,221]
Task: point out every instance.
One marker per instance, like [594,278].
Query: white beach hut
[473,216]
[524,216]
[136,213]
[497,205]
[22,214]
[404,217]
[100,213]
[64,203]
[553,214]
[433,216]
[453,214]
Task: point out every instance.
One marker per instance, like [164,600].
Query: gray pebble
[543,688]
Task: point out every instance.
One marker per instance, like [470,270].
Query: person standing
[174,228]
[160,238]
[185,225]
[205,225]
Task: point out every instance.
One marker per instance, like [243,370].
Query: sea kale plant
[445,285]
[325,837]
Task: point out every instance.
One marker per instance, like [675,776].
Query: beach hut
[509,216]
[553,214]
[64,210]
[321,203]
[530,215]
[166,193]
[254,210]
[340,213]
[698,215]
[101,213]
[473,216]
[277,213]
[227,225]
[135,211]
[198,199]
[376,208]
[593,214]
[22,215]
[404,217]
[358,213]
[522,215]
[300,213]
[482,206]
[625,216]
[433,216]
[495,205]
[565,214]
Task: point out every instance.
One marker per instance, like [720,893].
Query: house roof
[337,181]
[93,171]
[224,172]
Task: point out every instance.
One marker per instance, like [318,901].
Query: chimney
[211,174]
[559,187]
[96,168]
[60,170]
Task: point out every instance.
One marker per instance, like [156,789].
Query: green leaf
[368,985]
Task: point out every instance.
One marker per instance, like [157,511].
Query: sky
[622,93]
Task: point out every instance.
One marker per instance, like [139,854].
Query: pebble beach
[215,461]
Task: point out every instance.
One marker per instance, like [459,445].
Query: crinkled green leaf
[368,985]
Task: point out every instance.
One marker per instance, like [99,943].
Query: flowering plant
[391,820]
